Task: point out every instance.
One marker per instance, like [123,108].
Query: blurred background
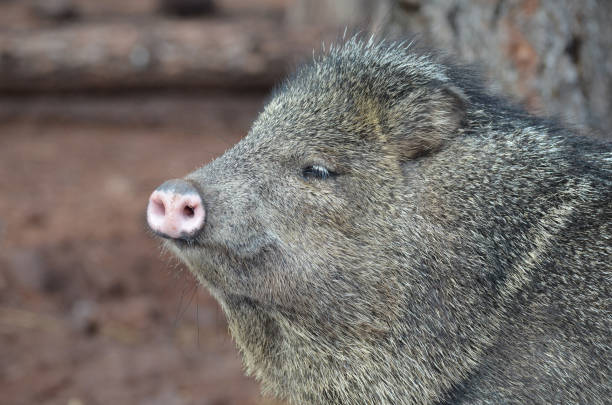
[101,101]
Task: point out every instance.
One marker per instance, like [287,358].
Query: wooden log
[234,53]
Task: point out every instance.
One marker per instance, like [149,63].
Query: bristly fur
[461,253]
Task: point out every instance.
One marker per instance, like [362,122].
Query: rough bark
[554,56]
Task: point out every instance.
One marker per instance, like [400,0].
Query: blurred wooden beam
[237,53]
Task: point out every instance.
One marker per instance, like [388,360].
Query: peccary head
[331,234]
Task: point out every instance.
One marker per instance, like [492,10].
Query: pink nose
[175,209]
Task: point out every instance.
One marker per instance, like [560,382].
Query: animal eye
[317,172]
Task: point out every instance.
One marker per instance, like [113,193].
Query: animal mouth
[183,241]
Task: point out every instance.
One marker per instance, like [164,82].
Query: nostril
[188,211]
[158,207]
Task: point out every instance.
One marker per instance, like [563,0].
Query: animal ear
[427,118]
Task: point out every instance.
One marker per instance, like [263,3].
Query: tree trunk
[553,56]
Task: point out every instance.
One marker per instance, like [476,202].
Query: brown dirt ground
[90,311]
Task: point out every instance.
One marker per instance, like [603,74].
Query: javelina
[390,233]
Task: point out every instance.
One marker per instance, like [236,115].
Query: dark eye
[317,172]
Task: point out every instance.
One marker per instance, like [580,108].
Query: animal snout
[176,210]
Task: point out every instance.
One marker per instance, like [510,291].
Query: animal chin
[247,248]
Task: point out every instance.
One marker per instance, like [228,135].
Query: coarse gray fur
[458,252]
